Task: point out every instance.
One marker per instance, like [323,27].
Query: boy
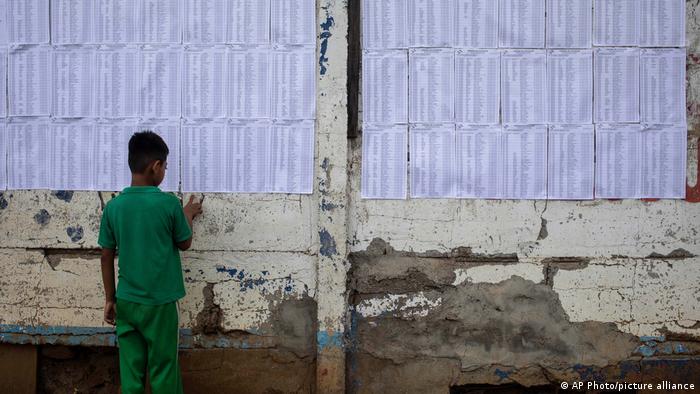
[148,227]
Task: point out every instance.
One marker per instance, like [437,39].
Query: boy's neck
[142,180]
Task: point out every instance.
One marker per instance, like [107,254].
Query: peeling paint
[328,247]
[325,35]
[75,233]
[63,195]
[42,217]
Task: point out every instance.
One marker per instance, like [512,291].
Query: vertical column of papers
[569,23]
[3,82]
[30,81]
[616,23]
[205,155]
[291,156]
[160,21]
[111,151]
[384,162]
[117,82]
[664,150]
[249,73]
[571,162]
[662,23]
[28,21]
[616,85]
[293,83]
[250,156]
[479,162]
[203,94]
[293,22]
[3,156]
[72,21]
[430,23]
[72,86]
[384,24]
[205,21]
[521,23]
[116,21]
[618,155]
[523,87]
[662,86]
[385,87]
[431,85]
[160,78]
[71,153]
[249,22]
[432,161]
[570,86]
[28,155]
[525,162]
[476,24]
[478,82]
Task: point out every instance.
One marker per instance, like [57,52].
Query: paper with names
[117,82]
[249,84]
[570,86]
[204,87]
[204,21]
[3,83]
[161,80]
[293,83]
[4,24]
[29,77]
[384,161]
[478,81]
[72,155]
[523,82]
[384,24]
[430,23]
[111,154]
[616,85]
[72,21]
[385,87]
[431,85]
[3,155]
[72,82]
[664,151]
[662,23]
[28,21]
[662,86]
[522,23]
[291,153]
[207,152]
[571,169]
[431,160]
[293,22]
[28,155]
[169,130]
[116,21]
[569,23]
[524,162]
[616,23]
[476,24]
[618,161]
[479,162]
[249,153]
[248,22]
[160,21]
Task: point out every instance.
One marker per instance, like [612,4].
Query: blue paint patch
[3,201]
[324,340]
[327,206]
[646,350]
[328,246]
[647,338]
[43,217]
[502,374]
[230,271]
[75,233]
[589,374]
[325,35]
[63,195]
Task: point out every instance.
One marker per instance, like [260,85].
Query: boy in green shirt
[148,228]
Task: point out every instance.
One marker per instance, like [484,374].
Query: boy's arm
[107,260]
[190,211]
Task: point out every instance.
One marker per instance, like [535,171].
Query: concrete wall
[289,293]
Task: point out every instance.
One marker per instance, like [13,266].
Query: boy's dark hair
[145,147]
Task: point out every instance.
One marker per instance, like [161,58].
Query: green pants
[148,336]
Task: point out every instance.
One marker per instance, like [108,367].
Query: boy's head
[148,156]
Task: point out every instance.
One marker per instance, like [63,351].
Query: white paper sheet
[664,152]
[3,156]
[111,154]
[116,21]
[206,153]
[249,153]
[72,21]
[160,21]
[384,162]
[204,87]
[169,130]
[28,155]
[478,83]
[4,24]
[385,87]
[616,23]
[3,82]
[524,162]
[431,85]
[249,84]
[570,86]
[205,21]
[522,23]
[294,22]
[116,82]
[616,85]
[569,23]
[476,23]
[384,24]
[248,22]
[571,165]
[662,23]
[72,82]
[662,86]
[292,157]
[430,23]
[293,83]
[618,155]
[432,161]
[71,150]
[30,81]
[479,162]
[523,87]
[28,21]
[160,83]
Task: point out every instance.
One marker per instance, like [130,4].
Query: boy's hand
[110,312]
[192,209]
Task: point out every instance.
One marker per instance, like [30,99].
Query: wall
[330,291]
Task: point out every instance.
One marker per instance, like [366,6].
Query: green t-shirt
[144,224]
